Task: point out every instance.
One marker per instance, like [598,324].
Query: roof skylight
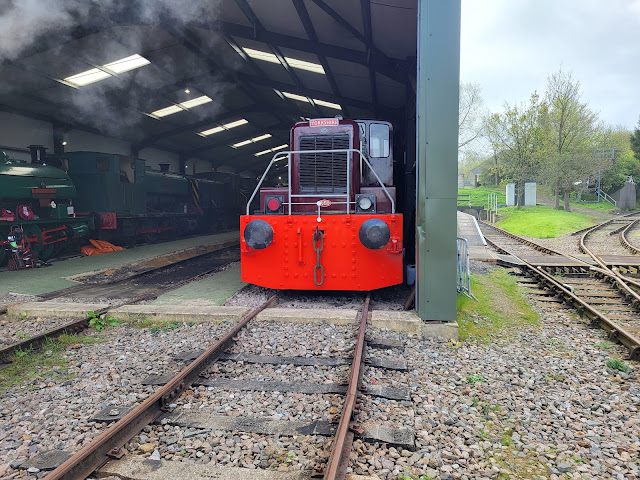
[126,64]
[301,98]
[226,126]
[270,150]
[163,112]
[110,69]
[251,140]
[327,104]
[293,62]
[293,96]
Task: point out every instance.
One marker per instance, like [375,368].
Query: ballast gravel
[53,410]
[537,403]
[14,330]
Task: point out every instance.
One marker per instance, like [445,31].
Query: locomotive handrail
[348,194]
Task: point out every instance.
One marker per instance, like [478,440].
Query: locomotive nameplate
[324,122]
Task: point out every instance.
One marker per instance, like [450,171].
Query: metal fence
[464,271]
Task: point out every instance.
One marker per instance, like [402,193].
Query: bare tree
[571,135]
[471,114]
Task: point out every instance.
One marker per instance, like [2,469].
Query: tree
[570,136]
[635,142]
[519,135]
[470,114]
[624,163]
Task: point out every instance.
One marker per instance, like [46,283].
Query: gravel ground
[16,330]
[601,243]
[538,403]
[54,409]
[230,448]
[390,298]
[299,339]
[9,298]
[567,244]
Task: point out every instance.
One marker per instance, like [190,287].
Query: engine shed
[154,91]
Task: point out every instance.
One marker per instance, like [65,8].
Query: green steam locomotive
[68,198]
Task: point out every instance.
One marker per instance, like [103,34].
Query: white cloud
[510,47]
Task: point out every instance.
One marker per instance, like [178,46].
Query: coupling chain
[318,246]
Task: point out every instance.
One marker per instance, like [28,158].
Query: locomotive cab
[334,226]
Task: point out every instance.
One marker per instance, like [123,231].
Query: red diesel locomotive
[334,226]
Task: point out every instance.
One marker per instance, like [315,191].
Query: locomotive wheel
[40,251]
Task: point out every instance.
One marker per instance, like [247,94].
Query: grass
[542,221]
[501,307]
[479,195]
[617,364]
[28,366]
[602,206]
[153,324]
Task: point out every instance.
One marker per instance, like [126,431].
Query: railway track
[165,407]
[138,288]
[588,284]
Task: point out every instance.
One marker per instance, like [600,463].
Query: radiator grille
[323,172]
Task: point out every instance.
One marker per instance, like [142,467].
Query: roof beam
[365,7]
[232,139]
[191,127]
[311,33]
[257,25]
[395,69]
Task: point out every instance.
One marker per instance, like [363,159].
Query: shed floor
[57,276]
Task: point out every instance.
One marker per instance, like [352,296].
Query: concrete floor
[56,277]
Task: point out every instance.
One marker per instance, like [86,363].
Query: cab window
[378,140]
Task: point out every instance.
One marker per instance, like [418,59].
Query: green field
[479,196]
[542,221]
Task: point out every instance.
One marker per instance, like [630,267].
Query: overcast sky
[509,47]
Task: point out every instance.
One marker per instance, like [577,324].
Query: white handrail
[342,150]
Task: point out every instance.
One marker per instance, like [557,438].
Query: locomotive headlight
[258,234]
[374,234]
[365,203]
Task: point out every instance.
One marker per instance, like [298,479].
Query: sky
[510,47]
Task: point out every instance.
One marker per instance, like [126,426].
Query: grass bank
[542,221]
[501,308]
[479,195]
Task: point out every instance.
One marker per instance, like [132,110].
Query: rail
[616,332]
[339,458]
[93,455]
[347,151]
[463,269]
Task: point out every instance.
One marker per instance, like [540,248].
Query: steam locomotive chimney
[38,153]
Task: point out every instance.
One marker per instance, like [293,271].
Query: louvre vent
[323,172]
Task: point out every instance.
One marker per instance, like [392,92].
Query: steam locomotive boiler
[334,226]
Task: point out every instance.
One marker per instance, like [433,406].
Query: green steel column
[437,158]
